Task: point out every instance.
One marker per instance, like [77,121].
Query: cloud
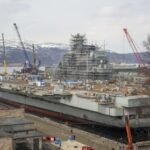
[110,18]
[10,8]
[55,20]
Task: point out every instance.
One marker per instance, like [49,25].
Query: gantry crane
[4,56]
[28,67]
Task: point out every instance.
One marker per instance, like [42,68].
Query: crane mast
[33,57]
[4,56]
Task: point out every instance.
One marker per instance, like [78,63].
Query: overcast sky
[54,20]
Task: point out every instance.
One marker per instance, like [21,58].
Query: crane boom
[28,66]
[129,135]
[134,48]
[22,44]
[4,57]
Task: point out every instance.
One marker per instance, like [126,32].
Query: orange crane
[129,135]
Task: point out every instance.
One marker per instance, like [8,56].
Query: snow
[28,45]
[54,45]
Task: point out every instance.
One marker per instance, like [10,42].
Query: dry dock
[16,132]
[63,131]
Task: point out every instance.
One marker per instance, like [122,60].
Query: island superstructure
[84,61]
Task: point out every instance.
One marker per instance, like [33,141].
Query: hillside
[52,53]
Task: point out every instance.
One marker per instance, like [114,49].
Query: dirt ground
[53,128]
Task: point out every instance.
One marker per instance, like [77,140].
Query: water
[12,69]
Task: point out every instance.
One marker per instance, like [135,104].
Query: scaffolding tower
[84,62]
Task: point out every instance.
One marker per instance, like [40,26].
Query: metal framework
[4,55]
[84,61]
[22,44]
[134,47]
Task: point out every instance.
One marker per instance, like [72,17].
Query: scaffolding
[84,62]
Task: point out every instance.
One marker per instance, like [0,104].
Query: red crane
[129,135]
[134,47]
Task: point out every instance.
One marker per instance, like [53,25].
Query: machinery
[134,47]
[28,67]
[143,68]
[129,136]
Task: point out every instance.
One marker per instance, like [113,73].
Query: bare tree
[147,43]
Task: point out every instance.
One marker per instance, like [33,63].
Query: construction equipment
[34,60]
[134,47]
[4,56]
[28,67]
[33,57]
[129,135]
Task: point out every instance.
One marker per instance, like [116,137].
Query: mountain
[128,57]
[52,53]
[48,53]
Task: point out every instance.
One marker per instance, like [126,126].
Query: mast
[4,56]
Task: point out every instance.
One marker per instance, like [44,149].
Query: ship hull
[58,110]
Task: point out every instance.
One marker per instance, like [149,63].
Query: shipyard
[91,93]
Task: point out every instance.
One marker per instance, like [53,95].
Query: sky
[55,20]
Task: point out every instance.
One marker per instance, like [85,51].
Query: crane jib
[22,44]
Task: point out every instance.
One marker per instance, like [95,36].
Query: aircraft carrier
[105,108]
[95,98]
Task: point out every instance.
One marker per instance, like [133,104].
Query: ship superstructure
[84,62]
